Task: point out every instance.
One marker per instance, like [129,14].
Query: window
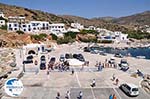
[23,25]
[9,25]
[128,87]
[29,29]
[10,29]
[15,25]
[24,30]
[15,29]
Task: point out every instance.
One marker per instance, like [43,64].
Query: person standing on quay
[117,81]
[111,96]
[114,96]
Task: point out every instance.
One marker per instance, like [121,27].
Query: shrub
[105,41]
[3,27]
[88,40]
[39,37]
[89,32]
[20,32]
[71,34]
[65,40]
[138,35]
[54,37]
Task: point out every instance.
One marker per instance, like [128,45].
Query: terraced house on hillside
[19,23]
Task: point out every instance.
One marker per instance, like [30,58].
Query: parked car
[13,64]
[112,60]
[102,53]
[124,65]
[87,49]
[43,59]
[94,51]
[67,56]
[62,58]
[42,66]
[27,61]
[118,55]
[79,57]
[52,60]
[130,89]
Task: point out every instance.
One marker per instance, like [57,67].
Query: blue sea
[134,52]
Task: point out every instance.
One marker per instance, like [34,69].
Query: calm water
[134,52]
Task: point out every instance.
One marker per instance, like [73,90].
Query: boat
[140,57]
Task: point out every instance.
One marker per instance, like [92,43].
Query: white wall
[2,22]
[1,14]
[57,28]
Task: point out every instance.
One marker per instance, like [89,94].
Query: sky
[85,8]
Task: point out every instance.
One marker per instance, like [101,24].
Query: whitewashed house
[34,49]
[91,28]
[148,30]
[73,30]
[12,26]
[120,37]
[2,14]
[116,36]
[2,23]
[57,29]
[35,27]
[14,23]
[77,26]
[19,23]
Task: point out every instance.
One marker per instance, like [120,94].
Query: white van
[130,89]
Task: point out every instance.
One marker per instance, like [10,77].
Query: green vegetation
[65,40]
[54,37]
[105,41]
[3,27]
[20,32]
[138,35]
[89,40]
[69,37]
[39,37]
[71,34]
[88,32]
[1,18]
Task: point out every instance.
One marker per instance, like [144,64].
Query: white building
[148,30]
[77,26]
[114,36]
[2,23]
[73,30]
[35,27]
[2,14]
[120,37]
[57,29]
[34,49]
[91,28]
[19,23]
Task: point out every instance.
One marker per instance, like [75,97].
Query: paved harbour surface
[43,86]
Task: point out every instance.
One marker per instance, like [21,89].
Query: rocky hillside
[31,14]
[136,19]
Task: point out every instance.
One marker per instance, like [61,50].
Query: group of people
[99,65]
[67,96]
[112,96]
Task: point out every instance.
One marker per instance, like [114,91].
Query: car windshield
[135,89]
[124,61]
